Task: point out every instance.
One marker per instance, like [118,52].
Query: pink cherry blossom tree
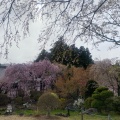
[27,76]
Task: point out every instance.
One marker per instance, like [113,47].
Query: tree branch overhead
[87,20]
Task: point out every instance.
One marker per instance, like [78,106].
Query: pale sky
[29,48]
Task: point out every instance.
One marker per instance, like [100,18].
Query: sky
[29,48]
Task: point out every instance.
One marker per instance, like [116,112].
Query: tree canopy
[67,55]
[72,82]
[107,73]
[30,76]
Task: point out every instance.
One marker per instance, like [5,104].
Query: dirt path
[16,117]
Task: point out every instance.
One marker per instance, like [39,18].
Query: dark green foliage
[34,95]
[18,101]
[67,55]
[100,89]
[109,104]
[26,99]
[96,103]
[4,100]
[85,57]
[71,55]
[88,102]
[43,55]
[60,52]
[90,88]
[116,104]
[102,99]
[106,94]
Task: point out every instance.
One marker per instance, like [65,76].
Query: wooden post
[109,118]
[81,113]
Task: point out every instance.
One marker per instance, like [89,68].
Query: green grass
[93,117]
[25,112]
[74,115]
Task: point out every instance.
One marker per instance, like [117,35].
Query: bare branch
[89,20]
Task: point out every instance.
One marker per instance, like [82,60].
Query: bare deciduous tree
[107,74]
[87,20]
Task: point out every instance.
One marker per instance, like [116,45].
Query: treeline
[67,55]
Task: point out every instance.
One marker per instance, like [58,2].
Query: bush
[106,94]
[116,104]
[18,100]
[100,89]
[97,104]
[47,102]
[26,99]
[102,99]
[4,100]
[63,103]
[34,95]
[88,102]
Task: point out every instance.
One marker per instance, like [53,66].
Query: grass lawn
[93,117]
[77,116]
[30,115]
[86,117]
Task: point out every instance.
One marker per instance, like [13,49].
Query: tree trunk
[48,113]
[68,112]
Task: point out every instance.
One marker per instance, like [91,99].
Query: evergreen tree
[90,88]
[44,54]
[67,55]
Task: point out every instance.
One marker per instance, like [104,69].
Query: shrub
[116,104]
[4,99]
[18,100]
[97,104]
[34,95]
[26,99]
[88,102]
[106,94]
[63,103]
[100,89]
[48,101]
[102,99]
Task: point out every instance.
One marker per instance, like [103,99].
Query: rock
[90,111]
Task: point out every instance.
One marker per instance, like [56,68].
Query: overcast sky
[29,48]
